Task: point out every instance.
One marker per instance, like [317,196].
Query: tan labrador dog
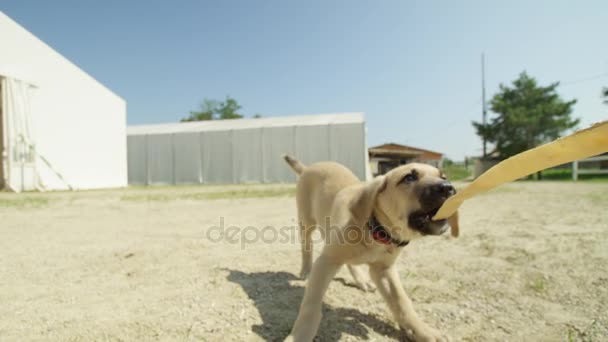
[365,223]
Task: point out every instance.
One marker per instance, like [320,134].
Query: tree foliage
[605,95]
[527,115]
[216,110]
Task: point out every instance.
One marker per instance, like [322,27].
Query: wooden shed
[385,157]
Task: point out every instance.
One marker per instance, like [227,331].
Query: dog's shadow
[278,302]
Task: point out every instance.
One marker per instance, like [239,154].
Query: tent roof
[223,125]
[21,71]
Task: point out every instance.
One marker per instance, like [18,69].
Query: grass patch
[487,249]
[23,202]
[586,334]
[145,198]
[245,193]
[414,289]
[456,172]
[598,196]
[538,285]
[201,196]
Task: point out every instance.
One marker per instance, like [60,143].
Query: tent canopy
[232,124]
[243,150]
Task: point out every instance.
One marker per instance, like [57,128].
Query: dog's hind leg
[307,227]
[362,280]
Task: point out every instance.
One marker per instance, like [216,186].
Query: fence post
[575,170]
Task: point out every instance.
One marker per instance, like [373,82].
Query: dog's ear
[454,225]
[363,201]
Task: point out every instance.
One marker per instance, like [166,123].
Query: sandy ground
[143,265]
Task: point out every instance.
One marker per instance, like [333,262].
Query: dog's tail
[295,164]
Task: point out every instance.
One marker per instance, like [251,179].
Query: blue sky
[412,66]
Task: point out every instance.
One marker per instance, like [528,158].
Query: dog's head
[407,198]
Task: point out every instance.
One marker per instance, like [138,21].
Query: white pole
[575,170]
[484,111]
[4,143]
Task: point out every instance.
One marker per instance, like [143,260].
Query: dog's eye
[409,178]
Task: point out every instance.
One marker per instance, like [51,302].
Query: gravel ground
[154,264]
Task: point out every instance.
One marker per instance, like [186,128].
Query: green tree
[228,109]
[206,111]
[527,115]
[216,110]
[605,95]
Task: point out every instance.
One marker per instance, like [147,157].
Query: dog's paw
[426,334]
[365,286]
[304,273]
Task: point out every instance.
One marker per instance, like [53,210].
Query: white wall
[79,125]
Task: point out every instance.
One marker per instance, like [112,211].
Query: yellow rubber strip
[579,145]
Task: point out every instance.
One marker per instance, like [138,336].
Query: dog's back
[317,187]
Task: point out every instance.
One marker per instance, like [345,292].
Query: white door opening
[18,147]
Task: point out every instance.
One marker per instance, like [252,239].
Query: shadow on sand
[278,301]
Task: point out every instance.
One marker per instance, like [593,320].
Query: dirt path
[135,265]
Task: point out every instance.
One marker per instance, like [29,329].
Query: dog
[365,223]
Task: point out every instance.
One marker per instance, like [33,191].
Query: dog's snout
[435,194]
[444,188]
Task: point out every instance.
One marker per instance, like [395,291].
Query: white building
[60,128]
[243,150]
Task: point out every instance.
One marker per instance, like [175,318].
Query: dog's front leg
[309,317]
[388,283]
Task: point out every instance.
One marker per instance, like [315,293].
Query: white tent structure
[59,127]
[243,150]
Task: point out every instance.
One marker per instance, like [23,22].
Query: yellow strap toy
[579,145]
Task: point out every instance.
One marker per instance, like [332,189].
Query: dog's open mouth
[423,222]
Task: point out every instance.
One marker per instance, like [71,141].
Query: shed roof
[232,124]
[402,150]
